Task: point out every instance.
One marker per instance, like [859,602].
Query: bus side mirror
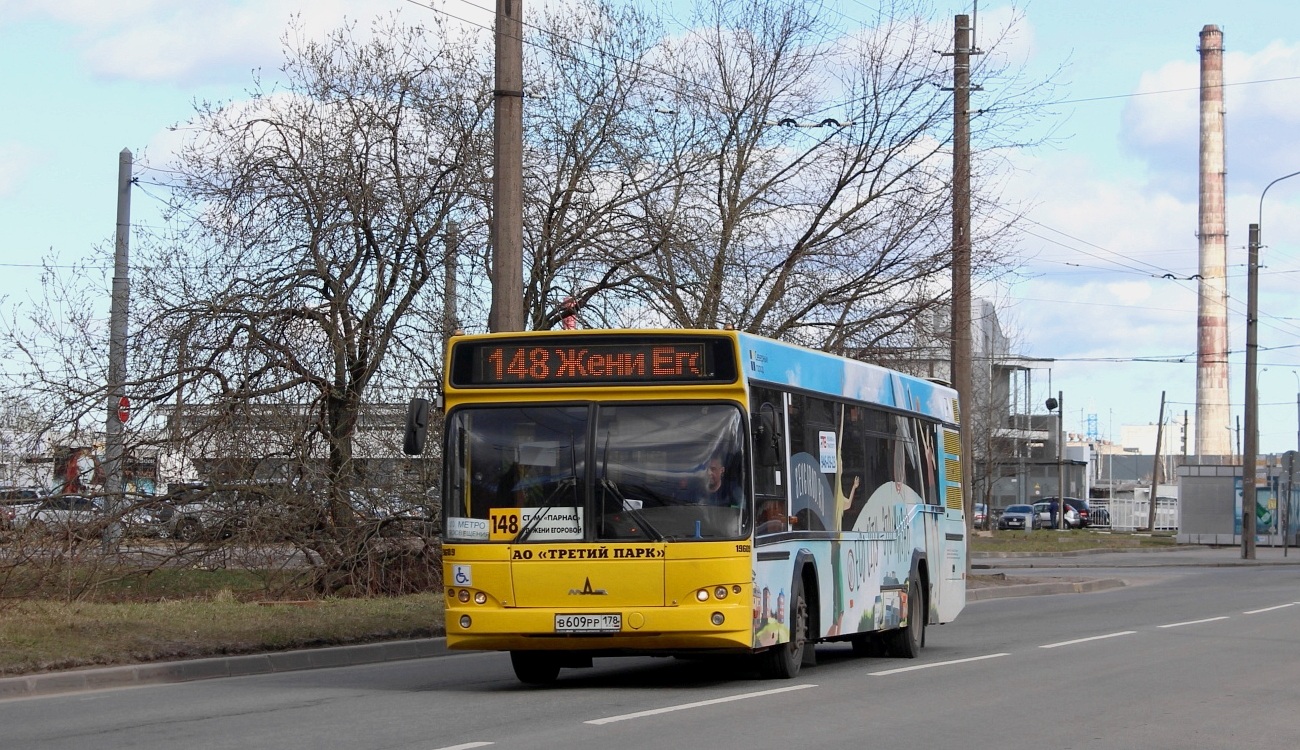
[417,426]
[767,439]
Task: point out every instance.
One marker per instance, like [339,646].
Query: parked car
[1080,506]
[1099,517]
[201,512]
[149,517]
[18,495]
[1047,515]
[18,501]
[65,515]
[1022,517]
[980,520]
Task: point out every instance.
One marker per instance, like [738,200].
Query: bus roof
[767,360]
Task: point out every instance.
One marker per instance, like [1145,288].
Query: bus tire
[906,642]
[535,667]
[782,662]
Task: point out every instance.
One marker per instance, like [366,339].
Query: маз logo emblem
[587,590]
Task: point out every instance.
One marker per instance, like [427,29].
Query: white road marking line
[466,746]
[697,704]
[1192,622]
[935,664]
[1085,640]
[1269,609]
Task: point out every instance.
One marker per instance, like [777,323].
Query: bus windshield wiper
[609,486]
[644,525]
[568,482]
[560,487]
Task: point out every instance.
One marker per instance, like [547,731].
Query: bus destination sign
[579,361]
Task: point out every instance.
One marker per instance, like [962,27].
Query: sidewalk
[1134,559]
[1142,557]
[373,653]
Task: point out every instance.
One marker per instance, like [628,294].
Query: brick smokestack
[1213,418]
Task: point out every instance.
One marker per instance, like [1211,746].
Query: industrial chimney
[1213,419]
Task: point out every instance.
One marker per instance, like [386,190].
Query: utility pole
[1060,458]
[1155,468]
[1248,455]
[961,251]
[449,322]
[119,307]
[507,313]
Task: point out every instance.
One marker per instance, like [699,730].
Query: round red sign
[123,409]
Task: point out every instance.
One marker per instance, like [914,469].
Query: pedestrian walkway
[1142,557]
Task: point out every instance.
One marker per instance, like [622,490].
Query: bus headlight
[717,618]
[480,598]
[464,621]
[463,596]
[702,595]
[720,592]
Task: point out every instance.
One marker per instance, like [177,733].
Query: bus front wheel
[782,662]
[535,667]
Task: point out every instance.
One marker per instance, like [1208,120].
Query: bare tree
[308,273]
[591,145]
[788,176]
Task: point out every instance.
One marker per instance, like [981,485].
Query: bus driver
[717,490]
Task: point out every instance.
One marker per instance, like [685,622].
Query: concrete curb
[133,675]
[1038,589]
[1072,553]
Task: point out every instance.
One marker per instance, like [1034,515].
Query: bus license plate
[588,623]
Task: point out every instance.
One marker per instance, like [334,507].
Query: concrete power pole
[1212,414]
[119,307]
[507,313]
[1249,453]
[1155,468]
[961,251]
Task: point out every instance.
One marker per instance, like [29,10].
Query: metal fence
[1128,514]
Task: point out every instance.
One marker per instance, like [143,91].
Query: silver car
[1047,518]
[1018,517]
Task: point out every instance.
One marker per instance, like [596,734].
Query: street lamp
[1251,449]
[1058,404]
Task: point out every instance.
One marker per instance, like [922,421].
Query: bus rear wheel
[535,667]
[782,662]
[906,642]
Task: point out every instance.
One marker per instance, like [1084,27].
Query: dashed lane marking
[936,664]
[1269,609]
[1192,622]
[697,704]
[1085,640]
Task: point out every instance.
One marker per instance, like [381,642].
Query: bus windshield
[597,472]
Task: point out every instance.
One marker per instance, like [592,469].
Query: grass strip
[41,635]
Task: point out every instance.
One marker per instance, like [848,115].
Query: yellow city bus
[691,492]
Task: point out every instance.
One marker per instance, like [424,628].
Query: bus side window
[771,517]
[767,424]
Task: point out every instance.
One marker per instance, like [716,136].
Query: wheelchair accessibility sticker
[461,576]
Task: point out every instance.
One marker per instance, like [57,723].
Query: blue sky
[1112,202]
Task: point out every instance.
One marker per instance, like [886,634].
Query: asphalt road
[1186,657]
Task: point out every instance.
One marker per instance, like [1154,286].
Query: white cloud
[193,43]
[16,162]
[1262,114]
